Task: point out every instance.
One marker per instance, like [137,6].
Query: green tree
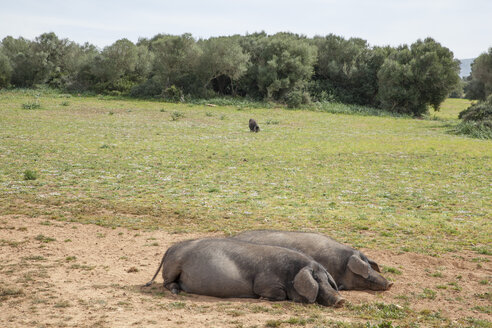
[145,60]
[252,45]
[223,62]
[281,63]
[347,69]
[396,92]
[175,61]
[62,59]
[114,69]
[412,79]
[83,78]
[5,70]
[481,77]
[26,65]
[435,71]
[458,91]
[474,89]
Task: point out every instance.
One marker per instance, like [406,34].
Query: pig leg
[268,287]
[171,278]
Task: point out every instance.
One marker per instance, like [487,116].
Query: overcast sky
[463,26]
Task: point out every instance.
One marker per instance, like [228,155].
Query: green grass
[451,108]
[449,112]
[382,182]
[428,293]
[387,269]
[44,239]
[380,311]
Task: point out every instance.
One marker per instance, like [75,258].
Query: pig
[225,267]
[350,268]
[253,126]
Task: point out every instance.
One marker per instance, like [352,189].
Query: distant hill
[465,67]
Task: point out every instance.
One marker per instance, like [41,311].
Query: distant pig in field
[233,268]
[350,268]
[253,126]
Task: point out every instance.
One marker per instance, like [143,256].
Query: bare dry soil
[61,274]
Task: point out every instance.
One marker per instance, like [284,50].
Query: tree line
[283,67]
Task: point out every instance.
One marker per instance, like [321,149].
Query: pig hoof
[339,303]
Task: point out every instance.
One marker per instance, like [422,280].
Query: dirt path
[57,274]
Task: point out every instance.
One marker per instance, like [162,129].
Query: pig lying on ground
[350,268]
[233,268]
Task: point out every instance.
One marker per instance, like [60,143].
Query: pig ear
[305,284]
[374,265]
[357,266]
[332,282]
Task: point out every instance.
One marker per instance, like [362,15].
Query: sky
[465,27]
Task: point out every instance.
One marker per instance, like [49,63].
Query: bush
[30,175]
[117,87]
[477,120]
[481,111]
[296,98]
[176,115]
[479,130]
[31,105]
[173,94]
[149,88]
[306,98]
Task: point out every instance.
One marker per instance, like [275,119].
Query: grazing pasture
[406,190]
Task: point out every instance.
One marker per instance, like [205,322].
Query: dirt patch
[59,274]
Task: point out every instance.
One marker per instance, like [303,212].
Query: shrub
[297,98]
[176,115]
[173,94]
[477,120]
[149,88]
[306,98]
[31,105]
[479,130]
[30,175]
[294,99]
[481,111]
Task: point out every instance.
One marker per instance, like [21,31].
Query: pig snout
[329,297]
[378,282]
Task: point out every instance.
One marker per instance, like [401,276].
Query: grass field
[379,182]
[451,108]
[393,185]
